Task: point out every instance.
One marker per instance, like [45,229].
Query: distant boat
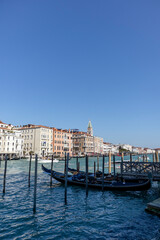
[79,180]
[40,160]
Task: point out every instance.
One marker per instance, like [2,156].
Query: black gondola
[96,183]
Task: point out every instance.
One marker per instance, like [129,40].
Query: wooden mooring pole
[98,163]
[114,165]
[109,163]
[65,162]
[35,184]
[29,175]
[77,163]
[157,157]
[143,158]
[122,158]
[86,176]
[131,160]
[51,172]
[5,171]
[66,175]
[153,157]
[94,169]
[103,173]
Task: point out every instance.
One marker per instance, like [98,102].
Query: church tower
[90,129]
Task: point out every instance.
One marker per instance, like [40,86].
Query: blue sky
[63,63]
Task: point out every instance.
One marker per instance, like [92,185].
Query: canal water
[103,215]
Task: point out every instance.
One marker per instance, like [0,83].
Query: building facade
[11,142]
[37,140]
[62,142]
[85,143]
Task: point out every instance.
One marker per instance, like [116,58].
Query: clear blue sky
[63,63]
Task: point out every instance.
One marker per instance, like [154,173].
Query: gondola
[79,180]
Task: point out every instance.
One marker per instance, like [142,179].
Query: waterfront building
[107,147]
[37,139]
[11,141]
[98,145]
[82,144]
[138,150]
[85,143]
[149,150]
[62,142]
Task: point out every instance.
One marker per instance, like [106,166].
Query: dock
[154,207]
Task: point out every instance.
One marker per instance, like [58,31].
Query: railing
[141,168]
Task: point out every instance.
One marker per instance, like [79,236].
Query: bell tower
[90,129]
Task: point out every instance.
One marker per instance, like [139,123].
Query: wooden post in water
[109,162]
[153,157]
[94,169]
[122,158]
[66,176]
[86,175]
[4,179]
[114,165]
[29,175]
[78,166]
[157,157]
[131,160]
[98,163]
[65,162]
[77,163]
[103,173]
[35,184]
[143,158]
[51,172]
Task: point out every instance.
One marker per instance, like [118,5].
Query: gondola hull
[108,185]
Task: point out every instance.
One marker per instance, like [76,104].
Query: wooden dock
[154,207]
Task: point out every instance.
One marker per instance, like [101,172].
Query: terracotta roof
[5,128]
